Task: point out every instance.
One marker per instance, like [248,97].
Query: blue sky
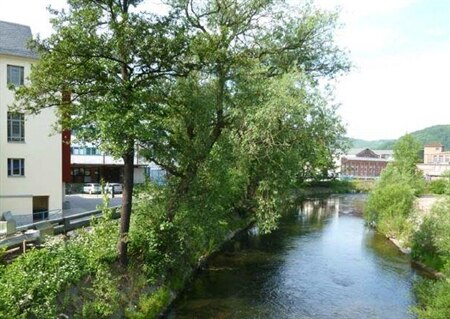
[401,52]
[400,49]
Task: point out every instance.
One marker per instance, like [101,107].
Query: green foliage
[406,155]
[439,186]
[433,299]
[31,285]
[226,98]
[102,298]
[153,239]
[431,242]
[151,306]
[390,204]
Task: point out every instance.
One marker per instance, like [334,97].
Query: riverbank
[420,228]
[422,209]
[329,187]
[174,294]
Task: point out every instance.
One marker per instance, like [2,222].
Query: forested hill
[437,133]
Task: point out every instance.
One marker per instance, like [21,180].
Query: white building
[436,161]
[90,165]
[30,157]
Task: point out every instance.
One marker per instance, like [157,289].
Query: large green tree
[104,58]
[240,49]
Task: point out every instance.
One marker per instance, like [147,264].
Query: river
[322,262]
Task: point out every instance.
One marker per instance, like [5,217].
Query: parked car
[116,186]
[92,188]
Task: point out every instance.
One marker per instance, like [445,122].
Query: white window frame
[21,167]
[16,118]
[10,76]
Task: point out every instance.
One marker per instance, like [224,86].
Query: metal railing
[57,225]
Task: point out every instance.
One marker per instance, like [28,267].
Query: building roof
[354,151]
[14,39]
[434,144]
[364,159]
[367,153]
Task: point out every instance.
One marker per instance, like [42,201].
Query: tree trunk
[127,196]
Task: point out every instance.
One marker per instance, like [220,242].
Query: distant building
[436,161]
[365,164]
[88,164]
[434,153]
[31,182]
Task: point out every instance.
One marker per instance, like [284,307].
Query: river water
[321,263]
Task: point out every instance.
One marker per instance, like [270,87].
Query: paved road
[79,203]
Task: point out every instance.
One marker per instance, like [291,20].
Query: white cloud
[365,7]
[367,39]
[393,95]
[32,13]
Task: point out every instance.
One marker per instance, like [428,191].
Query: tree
[239,49]
[391,202]
[105,59]
[406,154]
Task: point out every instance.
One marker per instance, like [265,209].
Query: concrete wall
[432,171]
[41,151]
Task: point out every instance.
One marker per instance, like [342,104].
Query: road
[79,203]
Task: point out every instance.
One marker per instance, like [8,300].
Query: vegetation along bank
[425,233]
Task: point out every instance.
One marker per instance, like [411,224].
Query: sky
[400,50]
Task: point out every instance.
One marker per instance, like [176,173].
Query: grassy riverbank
[392,209]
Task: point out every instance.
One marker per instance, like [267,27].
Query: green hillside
[437,133]
[374,145]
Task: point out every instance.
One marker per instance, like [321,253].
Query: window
[85,151]
[15,75]
[16,167]
[16,127]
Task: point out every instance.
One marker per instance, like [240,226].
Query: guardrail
[33,232]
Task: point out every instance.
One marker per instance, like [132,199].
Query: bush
[439,186]
[33,284]
[431,243]
[433,299]
[390,204]
[30,285]
[151,306]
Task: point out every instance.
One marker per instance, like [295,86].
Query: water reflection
[321,263]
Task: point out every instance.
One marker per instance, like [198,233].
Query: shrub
[32,284]
[390,204]
[151,306]
[431,243]
[433,299]
[439,186]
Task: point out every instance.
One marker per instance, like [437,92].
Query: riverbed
[321,263]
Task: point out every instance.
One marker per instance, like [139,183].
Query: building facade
[436,161]
[434,153]
[366,164]
[88,164]
[30,155]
